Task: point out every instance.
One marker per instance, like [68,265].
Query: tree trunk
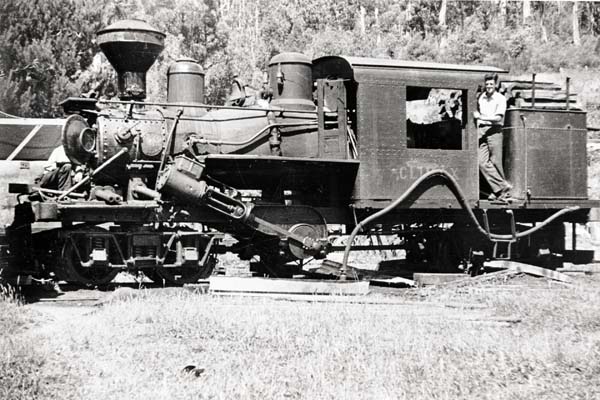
[362,23]
[526,10]
[576,38]
[542,26]
[442,15]
[377,26]
[408,11]
[592,20]
[503,12]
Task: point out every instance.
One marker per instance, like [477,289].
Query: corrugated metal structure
[25,145]
[29,138]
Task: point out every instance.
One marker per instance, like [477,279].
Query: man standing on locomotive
[490,120]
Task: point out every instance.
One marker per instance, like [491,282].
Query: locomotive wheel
[314,232]
[69,267]
[187,273]
[182,275]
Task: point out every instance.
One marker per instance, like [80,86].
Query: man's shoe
[492,197]
[505,194]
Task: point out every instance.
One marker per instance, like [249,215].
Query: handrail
[199,105]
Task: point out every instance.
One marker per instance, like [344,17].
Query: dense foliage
[48,52]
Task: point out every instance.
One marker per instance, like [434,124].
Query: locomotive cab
[411,118]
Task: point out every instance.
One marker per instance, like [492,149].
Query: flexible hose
[451,184]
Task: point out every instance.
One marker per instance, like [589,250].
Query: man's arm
[497,116]
[489,118]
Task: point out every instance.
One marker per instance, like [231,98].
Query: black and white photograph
[299,199]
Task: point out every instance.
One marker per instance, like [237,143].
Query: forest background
[48,49]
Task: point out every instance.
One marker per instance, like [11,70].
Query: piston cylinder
[183,180]
[290,79]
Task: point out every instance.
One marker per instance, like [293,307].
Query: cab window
[435,118]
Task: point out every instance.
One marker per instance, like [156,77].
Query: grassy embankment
[444,343]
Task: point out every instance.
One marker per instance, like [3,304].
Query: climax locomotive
[327,142]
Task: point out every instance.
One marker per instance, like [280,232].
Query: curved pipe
[451,184]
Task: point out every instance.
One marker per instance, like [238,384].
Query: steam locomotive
[327,142]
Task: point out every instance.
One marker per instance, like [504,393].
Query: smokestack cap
[131,46]
[129,27]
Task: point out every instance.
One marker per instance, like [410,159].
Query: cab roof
[346,65]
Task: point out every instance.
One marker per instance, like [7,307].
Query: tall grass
[10,318]
[269,349]
[21,365]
